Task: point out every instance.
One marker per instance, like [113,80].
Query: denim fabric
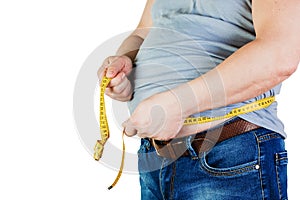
[249,166]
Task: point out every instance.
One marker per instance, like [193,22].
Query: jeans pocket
[236,170]
[281,159]
[233,157]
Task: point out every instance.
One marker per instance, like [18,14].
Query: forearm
[120,66]
[252,70]
[132,43]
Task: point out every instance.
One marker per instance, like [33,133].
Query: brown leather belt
[203,141]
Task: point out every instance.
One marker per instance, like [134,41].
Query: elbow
[290,70]
[286,69]
[280,73]
[282,56]
[286,62]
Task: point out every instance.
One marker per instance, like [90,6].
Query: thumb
[129,130]
[113,69]
[122,63]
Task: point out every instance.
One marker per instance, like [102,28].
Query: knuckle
[109,93]
[116,90]
[116,81]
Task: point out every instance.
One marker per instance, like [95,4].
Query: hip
[249,166]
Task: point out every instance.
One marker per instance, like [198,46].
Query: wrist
[187,99]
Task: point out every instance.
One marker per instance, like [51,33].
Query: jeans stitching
[161,179]
[277,173]
[259,163]
[231,172]
[268,137]
[172,180]
[278,182]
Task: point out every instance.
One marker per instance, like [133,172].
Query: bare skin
[271,58]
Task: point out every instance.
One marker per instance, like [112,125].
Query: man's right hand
[117,68]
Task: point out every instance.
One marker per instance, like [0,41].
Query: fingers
[119,88]
[129,130]
[158,117]
[134,126]
[122,63]
[117,68]
[105,65]
[112,65]
[117,80]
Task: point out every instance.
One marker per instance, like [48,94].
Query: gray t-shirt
[189,38]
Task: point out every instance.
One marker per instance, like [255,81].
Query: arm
[118,67]
[256,67]
[131,45]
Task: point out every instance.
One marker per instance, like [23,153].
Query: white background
[42,47]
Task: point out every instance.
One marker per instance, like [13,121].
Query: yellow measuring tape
[104,129]
[256,105]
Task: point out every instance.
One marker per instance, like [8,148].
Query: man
[204,58]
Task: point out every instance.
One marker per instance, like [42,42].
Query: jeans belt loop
[190,148]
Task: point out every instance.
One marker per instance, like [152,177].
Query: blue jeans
[249,166]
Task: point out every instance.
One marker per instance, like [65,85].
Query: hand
[117,68]
[159,117]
